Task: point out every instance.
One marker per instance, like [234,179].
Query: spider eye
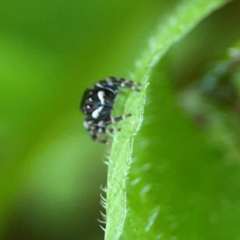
[88,106]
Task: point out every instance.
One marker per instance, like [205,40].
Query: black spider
[98,102]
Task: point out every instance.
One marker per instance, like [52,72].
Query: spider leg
[103,123]
[97,138]
[99,128]
[108,130]
[96,129]
[118,82]
[116,119]
[95,135]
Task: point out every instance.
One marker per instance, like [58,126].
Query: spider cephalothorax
[98,102]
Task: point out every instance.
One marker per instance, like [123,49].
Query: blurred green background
[50,51]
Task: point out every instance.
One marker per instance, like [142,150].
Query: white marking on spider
[99,85]
[100,130]
[85,124]
[113,120]
[101,124]
[101,96]
[95,114]
[109,81]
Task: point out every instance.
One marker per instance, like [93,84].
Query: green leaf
[133,205]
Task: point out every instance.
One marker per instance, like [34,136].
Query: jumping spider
[97,104]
